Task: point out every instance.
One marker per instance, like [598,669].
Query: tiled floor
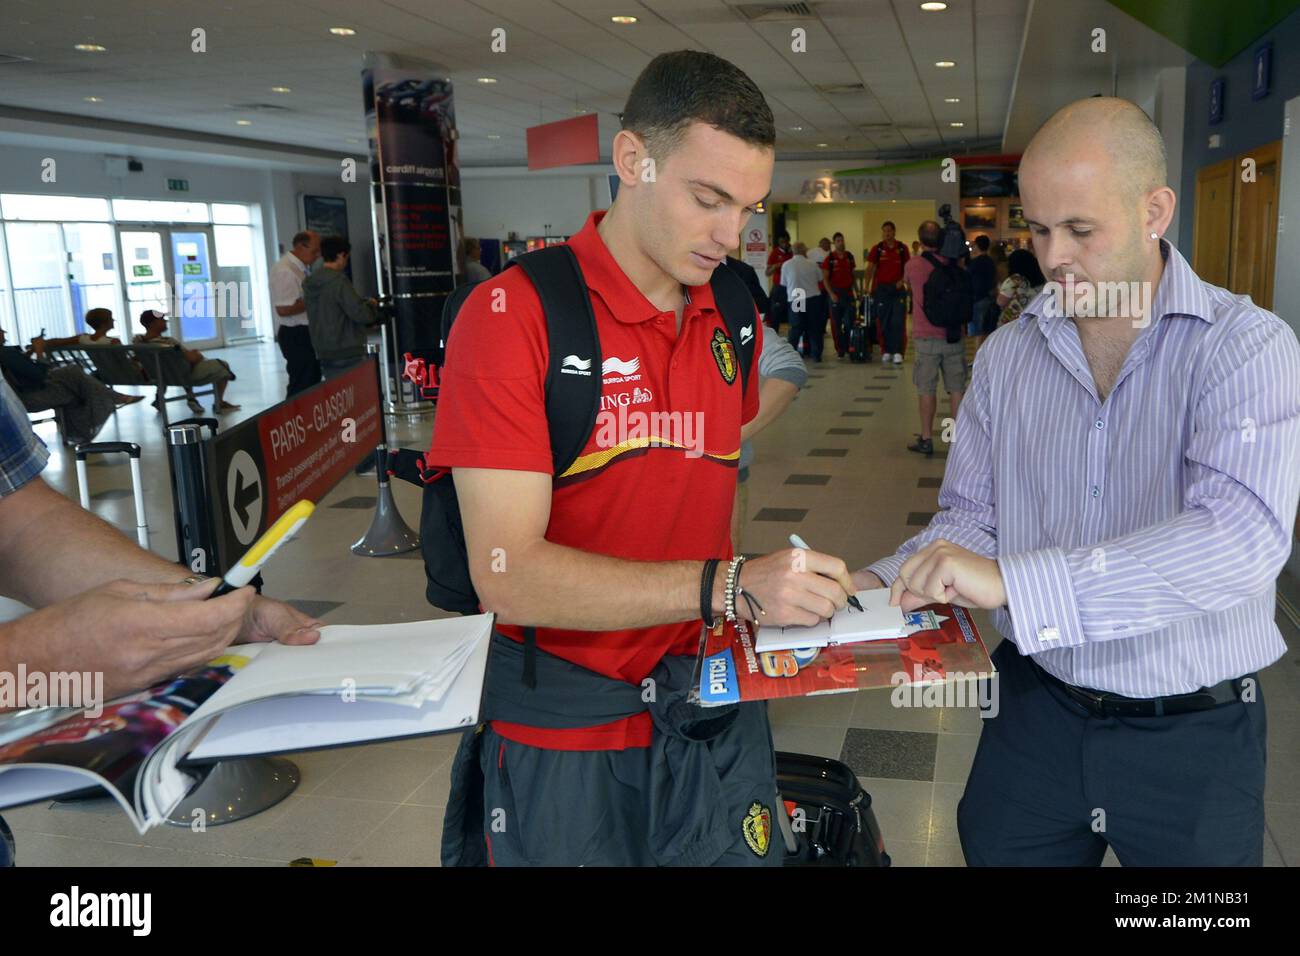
[837,474]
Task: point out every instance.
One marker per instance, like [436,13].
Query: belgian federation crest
[724,355]
[757,827]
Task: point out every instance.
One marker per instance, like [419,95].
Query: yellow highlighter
[285,527]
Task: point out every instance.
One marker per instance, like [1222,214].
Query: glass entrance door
[193,288]
[144,277]
[170,269]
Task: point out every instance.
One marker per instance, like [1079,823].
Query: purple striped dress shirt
[1138,538]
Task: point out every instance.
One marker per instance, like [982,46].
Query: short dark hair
[302,238]
[96,316]
[837,235]
[331,247]
[890,224]
[689,86]
[150,315]
[930,233]
[982,242]
[783,235]
[1024,263]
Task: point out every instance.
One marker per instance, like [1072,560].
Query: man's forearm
[549,585]
[77,550]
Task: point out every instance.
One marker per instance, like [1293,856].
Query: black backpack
[949,300]
[572,402]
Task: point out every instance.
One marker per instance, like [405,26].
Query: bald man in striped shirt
[1121,494]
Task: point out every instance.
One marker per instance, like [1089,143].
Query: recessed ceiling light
[944,64]
[243,122]
[957,125]
[952,99]
[822,145]
[281,89]
[487,79]
[580,109]
[624,21]
[796,129]
[91,48]
[343,31]
[933,6]
[93,99]
[494,135]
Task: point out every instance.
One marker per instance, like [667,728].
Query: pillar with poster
[415,200]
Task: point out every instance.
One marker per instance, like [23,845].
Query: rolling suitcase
[828,819]
[83,483]
[859,346]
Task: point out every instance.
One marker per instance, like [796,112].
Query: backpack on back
[572,402]
[949,301]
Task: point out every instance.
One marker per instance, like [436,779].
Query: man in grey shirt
[337,316]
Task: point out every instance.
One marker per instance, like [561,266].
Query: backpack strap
[736,304]
[572,397]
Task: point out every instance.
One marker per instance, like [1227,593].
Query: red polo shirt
[889,263]
[625,496]
[777,257]
[838,268]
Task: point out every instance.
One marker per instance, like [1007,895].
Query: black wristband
[706,590]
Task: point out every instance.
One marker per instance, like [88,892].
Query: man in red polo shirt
[610,560]
[884,283]
[780,254]
[838,268]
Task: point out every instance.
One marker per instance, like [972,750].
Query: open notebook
[877,621]
[357,684]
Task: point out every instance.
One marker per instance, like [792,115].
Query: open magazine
[148,750]
[941,644]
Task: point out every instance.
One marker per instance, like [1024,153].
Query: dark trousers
[299,358]
[779,309]
[887,305]
[1053,785]
[809,325]
[843,312]
[603,807]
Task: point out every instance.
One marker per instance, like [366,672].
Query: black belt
[1104,704]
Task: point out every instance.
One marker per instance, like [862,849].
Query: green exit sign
[178,185]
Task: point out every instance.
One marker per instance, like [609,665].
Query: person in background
[338,317]
[884,283]
[933,350]
[475,271]
[775,259]
[983,276]
[1024,281]
[85,402]
[101,603]
[203,370]
[100,321]
[291,332]
[837,272]
[800,278]
[781,374]
[818,255]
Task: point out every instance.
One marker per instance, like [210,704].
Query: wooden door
[1254,225]
[1212,233]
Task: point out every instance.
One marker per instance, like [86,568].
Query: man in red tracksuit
[838,268]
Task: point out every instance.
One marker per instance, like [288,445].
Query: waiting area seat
[162,366]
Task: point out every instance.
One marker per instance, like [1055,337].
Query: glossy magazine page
[942,644]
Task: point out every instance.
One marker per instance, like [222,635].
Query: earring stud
[1154,236]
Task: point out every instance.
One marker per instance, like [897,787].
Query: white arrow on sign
[244,496]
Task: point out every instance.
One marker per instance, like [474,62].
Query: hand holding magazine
[357,684]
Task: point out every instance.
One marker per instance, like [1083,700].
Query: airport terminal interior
[200,146]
